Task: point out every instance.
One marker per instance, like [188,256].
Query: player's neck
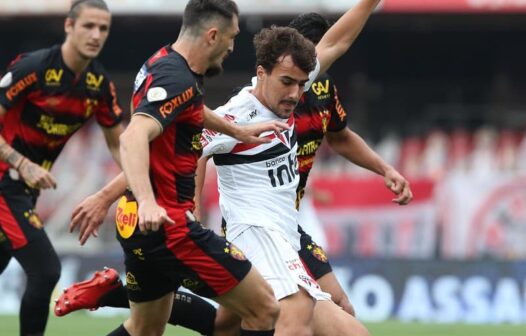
[73,60]
[192,52]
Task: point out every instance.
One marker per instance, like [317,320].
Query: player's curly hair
[274,42]
[77,5]
[199,12]
[311,25]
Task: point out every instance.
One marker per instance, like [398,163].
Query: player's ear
[212,35]
[260,72]
[68,25]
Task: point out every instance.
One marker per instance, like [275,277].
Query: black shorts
[188,255]
[313,256]
[19,223]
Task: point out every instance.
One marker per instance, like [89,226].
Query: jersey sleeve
[215,142]
[165,92]
[109,113]
[20,79]
[338,119]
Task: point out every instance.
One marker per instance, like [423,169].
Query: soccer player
[45,97]
[164,245]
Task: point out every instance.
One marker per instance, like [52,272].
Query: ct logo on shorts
[126,217]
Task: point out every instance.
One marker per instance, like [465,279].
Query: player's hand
[250,133]
[88,216]
[152,216]
[36,176]
[399,186]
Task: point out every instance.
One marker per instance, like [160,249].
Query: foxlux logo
[284,173]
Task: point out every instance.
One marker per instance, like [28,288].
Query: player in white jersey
[257,183]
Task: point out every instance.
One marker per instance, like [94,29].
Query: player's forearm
[113,190]
[9,155]
[343,33]
[135,153]
[215,123]
[352,147]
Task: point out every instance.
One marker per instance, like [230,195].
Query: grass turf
[83,324]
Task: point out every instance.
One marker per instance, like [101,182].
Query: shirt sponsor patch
[6,80]
[156,94]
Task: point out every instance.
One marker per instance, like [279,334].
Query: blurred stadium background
[437,87]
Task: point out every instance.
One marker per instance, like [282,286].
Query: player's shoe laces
[86,294]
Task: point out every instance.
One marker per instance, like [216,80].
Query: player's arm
[89,215]
[247,134]
[111,135]
[200,175]
[352,147]
[135,154]
[339,38]
[34,175]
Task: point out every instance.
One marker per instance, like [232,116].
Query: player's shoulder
[238,107]
[168,63]
[37,59]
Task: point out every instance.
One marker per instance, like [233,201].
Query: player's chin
[90,53]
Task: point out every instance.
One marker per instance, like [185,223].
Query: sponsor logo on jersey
[309,148]
[321,89]
[93,82]
[339,108]
[6,80]
[131,282]
[126,217]
[90,104]
[21,85]
[53,77]
[156,94]
[196,143]
[48,124]
[235,252]
[168,107]
[139,79]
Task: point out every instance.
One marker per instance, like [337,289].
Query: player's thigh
[296,314]
[331,320]
[330,284]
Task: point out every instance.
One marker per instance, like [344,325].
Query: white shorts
[278,262]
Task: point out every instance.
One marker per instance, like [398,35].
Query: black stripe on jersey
[229,159]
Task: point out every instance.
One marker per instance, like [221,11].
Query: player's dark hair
[199,12]
[77,5]
[311,25]
[275,42]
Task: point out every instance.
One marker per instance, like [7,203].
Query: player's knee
[264,314]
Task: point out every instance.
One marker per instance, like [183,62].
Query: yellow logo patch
[53,77]
[126,217]
[93,81]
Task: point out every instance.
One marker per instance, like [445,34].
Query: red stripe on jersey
[208,269]
[240,147]
[162,175]
[158,55]
[10,226]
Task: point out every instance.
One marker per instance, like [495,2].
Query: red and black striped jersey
[318,112]
[46,103]
[167,90]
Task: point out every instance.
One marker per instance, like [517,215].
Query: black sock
[117,298]
[120,331]
[257,332]
[192,312]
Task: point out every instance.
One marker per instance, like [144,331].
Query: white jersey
[257,183]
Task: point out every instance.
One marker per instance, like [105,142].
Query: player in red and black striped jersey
[45,97]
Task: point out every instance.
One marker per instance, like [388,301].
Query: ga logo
[53,77]
[93,81]
[320,88]
[126,217]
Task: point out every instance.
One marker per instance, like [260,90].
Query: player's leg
[317,262]
[30,246]
[331,320]
[42,267]
[226,323]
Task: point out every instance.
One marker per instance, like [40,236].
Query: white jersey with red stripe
[257,183]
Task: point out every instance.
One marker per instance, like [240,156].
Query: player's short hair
[311,25]
[199,12]
[275,42]
[77,5]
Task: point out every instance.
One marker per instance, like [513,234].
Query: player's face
[223,47]
[89,31]
[283,87]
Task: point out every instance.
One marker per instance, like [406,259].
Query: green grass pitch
[82,324]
